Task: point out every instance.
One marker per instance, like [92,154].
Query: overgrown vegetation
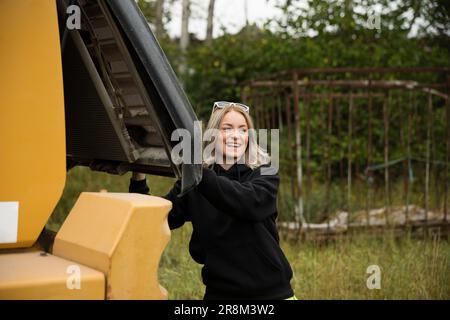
[323,33]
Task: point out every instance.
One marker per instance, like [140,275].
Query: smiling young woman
[233,212]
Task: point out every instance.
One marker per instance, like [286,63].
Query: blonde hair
[259,156]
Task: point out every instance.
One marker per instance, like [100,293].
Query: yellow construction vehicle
[99,93]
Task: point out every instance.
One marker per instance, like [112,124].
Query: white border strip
[9,220]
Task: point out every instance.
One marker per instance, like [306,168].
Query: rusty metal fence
[368,125]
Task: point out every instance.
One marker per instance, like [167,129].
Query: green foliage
[148,8]
[325,34]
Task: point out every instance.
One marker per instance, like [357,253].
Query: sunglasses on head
[224,104]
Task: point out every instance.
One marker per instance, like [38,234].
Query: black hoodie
[234,234]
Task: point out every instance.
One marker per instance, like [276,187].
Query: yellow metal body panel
[32,132]
[121,234]
[36,275]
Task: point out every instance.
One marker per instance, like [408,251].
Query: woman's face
[234,135]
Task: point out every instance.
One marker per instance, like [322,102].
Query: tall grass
[410,268]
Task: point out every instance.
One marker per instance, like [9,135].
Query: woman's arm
[138,184]
[178,214]
[253,200]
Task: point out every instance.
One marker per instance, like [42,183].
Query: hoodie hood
[236,171]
